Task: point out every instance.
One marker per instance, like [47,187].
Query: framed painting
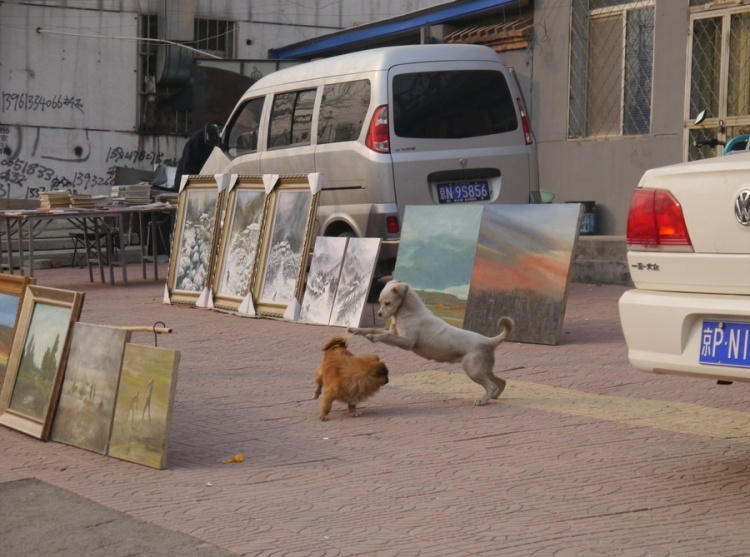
[323,279]
[436,256]
[286,244]
[143,410]
[198,211]
[522,269]
[354,285]
[87,399]
[37,359]
[12,289]
[238,251]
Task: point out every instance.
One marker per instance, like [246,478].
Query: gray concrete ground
[581,456]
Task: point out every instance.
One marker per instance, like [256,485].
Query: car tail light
[378,135]
[655,220]
[391,225]
[525,123]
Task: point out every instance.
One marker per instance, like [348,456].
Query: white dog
[413,327]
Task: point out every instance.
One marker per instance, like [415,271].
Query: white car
[689,257]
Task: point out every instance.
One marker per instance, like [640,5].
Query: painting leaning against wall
[143,411]
[38,358]
[87,399]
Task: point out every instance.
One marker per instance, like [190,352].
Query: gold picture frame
[196,229]
[236,264]
[12,290]
[287,237]
[38,358]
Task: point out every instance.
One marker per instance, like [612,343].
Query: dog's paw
[375,337]
[354,331]
[480,402]
[355,414]
[323,418]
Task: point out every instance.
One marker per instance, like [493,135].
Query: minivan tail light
[525,123]
[655,220]
[378,135]
[391,225]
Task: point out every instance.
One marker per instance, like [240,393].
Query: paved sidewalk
[580,456]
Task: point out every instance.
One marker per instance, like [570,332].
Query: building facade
[614,87]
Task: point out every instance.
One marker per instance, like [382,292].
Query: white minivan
[387,128]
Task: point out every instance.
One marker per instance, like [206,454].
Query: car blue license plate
[725,343]
[461,192]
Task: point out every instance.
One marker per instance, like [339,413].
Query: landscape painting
[522,269]
[12,289]
[190,264]
[240,241]
[436,256]
[323,279]
[286,245]
[37,359]
[143,410]
[87,399]
[354,285]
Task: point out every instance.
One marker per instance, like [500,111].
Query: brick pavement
[581,456]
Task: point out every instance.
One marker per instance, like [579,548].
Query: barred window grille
[611,68]
[216,37]
[719,78]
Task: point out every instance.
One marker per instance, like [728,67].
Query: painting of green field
[436,255]
[87,400]
[522,269]
[143,411]
[8,312]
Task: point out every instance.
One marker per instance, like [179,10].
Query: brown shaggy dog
[347,378]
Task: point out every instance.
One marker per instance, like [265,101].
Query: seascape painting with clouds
[522,269]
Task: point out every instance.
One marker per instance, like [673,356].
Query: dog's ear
[334,341]
[401,288]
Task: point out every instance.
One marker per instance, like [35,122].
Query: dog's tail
[333,342]
[507,324]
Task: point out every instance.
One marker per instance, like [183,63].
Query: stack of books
[54,199]
[133,194]
[81,201]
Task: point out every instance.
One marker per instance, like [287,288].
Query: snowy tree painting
[285,250]
[242,244]
[323,279]
[354,284]
[195,244]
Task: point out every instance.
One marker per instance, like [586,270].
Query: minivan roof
[375,59]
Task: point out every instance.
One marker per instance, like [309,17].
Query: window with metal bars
[719,78]
[611,68]
[212,36]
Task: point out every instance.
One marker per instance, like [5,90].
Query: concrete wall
[605,171]
[69,99]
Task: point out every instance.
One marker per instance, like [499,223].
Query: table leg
[31,247]
[155,245]
[121,256]
[8,233]
[142,242]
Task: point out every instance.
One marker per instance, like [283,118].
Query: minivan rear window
[452,104]
[343,110]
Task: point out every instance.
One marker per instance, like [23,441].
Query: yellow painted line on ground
[680,417]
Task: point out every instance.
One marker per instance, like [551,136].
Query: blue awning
[387,29]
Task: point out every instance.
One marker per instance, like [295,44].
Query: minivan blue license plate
[461,192]
[725,343]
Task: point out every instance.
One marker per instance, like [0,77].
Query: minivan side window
[342,111]
[291,119]
[452,104]
[243,137]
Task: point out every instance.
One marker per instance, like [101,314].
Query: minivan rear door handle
[462,174]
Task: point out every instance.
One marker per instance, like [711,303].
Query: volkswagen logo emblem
[742,208]
[463,162]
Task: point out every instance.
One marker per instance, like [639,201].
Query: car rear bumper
[663,331]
